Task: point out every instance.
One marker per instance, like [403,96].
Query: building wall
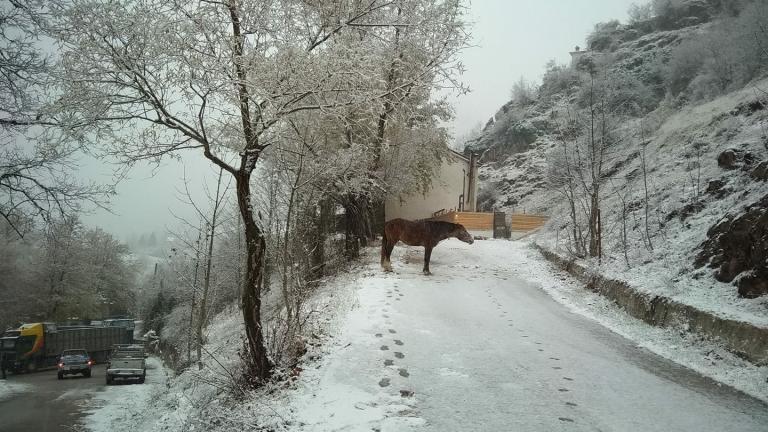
[445,193]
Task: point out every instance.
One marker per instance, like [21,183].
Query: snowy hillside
[704,160]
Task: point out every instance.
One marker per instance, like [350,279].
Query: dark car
[75,361]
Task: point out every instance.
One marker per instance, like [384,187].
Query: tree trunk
[594,226]
[259,367]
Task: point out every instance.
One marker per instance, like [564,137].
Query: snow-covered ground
[128,406]
[10,388]
[478,346]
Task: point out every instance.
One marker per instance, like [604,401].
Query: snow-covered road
[484,348]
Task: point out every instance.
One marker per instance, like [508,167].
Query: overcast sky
[512,38]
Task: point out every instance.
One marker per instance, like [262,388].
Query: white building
[454,188]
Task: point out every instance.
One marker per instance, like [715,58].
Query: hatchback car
[75,361]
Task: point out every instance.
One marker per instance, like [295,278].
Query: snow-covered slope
[682,159]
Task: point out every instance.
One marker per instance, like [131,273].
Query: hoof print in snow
[541,350]
[556,367]
[565,419]
[392,331]
[389,362]
[554,358]
[399,355]
[568,379]
[406,393]
[385,315]
[403,372]
[571,404]
[563,390]
[398,299]
[384,348]
[384,382]
[398,342]
[379,335]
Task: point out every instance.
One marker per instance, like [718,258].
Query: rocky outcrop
[734,158]
[760,172]
[738,248]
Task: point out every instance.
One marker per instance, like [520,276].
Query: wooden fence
[526,222]
[474,221]
[470,220]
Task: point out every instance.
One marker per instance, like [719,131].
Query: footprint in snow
[568,379]
[384,382]
[379,335]
[541,350]
[565,419]
[384,348]
[556,367]
[571,404]
[398,342]
[385,315]
[554,358]
[389,362]
[403,372]
[562,390]
[392,331]
[399,355]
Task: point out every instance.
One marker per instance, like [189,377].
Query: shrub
[558,80]
[604,37]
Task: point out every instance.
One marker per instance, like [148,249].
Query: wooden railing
[470,220]
[526,222]
[484,221]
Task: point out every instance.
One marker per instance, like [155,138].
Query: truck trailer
[38,345]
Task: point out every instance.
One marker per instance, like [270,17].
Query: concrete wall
[745,339]
[444,194]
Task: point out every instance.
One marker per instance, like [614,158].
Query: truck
[35,346]
[127,362]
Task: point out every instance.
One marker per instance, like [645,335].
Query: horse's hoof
[427,273]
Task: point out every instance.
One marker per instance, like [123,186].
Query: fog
[512,39]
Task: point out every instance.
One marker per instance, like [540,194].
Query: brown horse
[418,233]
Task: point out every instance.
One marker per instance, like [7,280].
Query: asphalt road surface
[48,404]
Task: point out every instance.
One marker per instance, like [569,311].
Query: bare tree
[221,78]
[36,167]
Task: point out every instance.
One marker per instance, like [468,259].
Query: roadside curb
[743,339]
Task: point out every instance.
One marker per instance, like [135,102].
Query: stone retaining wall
[746,340]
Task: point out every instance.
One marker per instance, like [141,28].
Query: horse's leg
[390,247]
[384,251]
[427,255]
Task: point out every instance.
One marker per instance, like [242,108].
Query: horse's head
[461,233]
